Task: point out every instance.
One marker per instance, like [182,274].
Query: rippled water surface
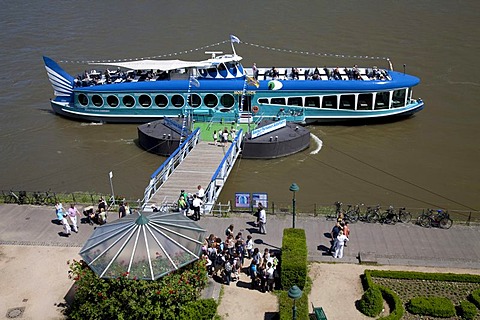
[428,160]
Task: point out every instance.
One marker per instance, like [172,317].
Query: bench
[319,313]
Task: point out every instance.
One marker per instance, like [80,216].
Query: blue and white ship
[220,89]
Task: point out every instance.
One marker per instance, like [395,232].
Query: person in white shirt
[339,244]
[200,192]
[262,219]
[197,202]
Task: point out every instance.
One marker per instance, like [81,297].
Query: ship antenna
[234,39]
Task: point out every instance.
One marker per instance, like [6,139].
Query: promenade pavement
[33,251]
[400,244]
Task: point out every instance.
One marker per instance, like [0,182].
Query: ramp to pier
[196,169]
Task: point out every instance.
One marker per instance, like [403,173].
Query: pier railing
[158,178]
[220,176]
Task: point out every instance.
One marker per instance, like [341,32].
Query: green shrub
[475,298]
[124,298]
[294,259]
[431,306]
[371,303]
[394,302]
[467,310]
[203,309]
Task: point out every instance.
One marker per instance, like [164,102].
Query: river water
[427,160]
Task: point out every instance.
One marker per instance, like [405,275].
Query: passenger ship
[220,89]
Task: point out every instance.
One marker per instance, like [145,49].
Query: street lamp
[294,188]
[294,293]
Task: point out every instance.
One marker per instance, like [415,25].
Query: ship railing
[160,176]
[221,174]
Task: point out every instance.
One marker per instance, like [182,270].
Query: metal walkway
[193,163]
[196,169]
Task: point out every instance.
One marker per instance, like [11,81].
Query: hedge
[412,275]
[431,306]
[394,302]
[467,310]
[203,309]
[294,272]
[294,259]
[475,298]
[371,303]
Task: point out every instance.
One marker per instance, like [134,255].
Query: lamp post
[294,188]
[294,293]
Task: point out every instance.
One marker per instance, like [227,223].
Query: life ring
[255,109]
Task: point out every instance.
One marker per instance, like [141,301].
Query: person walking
[197,202]
[66,227]
[122,212]
[262,219]
[215,137]
[72,215]
[339,244]
[59,212]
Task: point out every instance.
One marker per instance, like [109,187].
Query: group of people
[222,137]
[339,238]
[353,73]
[188,202]
[67,218]
[228,258]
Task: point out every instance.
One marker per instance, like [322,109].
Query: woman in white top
[339,244]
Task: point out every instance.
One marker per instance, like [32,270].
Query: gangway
[194,163]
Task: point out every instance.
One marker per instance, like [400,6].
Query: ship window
[295,101]
[210,100]
[145,100]
[83,99]
[278,101]
[312,102]
[364,101]
[263,100]
[161,101]
[178,101]
[347,101]
[381,100]
[112,101]
[398,99]
[227,100]
[97,100]
[329,102]
[128,101]
[194,100]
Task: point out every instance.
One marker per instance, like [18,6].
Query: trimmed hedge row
[475,298]
[467,310]
[294,258]
[294,272]
[412,275]
[431,306]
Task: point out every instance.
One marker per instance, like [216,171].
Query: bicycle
[338,212]
[373,214]
[440,218]
[44,199]
[352,214]
[21,198]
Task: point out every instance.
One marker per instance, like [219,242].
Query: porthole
[145,100]
[227,100]
[194,100]
[128,101]
[161,101]
[210,100]
[97,100]
[112,101]
[178,101]
[83,99]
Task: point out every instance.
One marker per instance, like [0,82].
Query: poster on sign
[260,198]
[242,200]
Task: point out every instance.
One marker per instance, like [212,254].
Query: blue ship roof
[399,80]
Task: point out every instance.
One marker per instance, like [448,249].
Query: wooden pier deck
[196,169]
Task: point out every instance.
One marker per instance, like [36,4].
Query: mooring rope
[179,53]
